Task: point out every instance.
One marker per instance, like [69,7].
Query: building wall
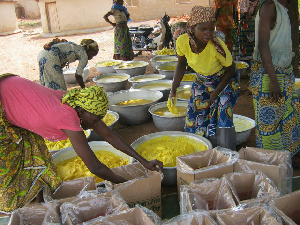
[154,9]
[31,8]
[8,19]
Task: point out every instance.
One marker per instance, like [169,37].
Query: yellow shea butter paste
[74,168]
[135,102]
[164,111]
[167,148]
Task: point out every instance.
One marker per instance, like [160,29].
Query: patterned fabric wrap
[203,118]
[200,14]
[25,165]
[90,44]
[93,99]
[277,123]
[123,45]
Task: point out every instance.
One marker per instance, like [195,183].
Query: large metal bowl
[69,74]
[183,93]
[145,78]
[133,114]
[170,173]
[297,87]
[243,133]
[160,85]
[188,79]
[133,68]
[159,59]
[112,82]
[167,69]
[168,123]
[242,67]
[95,137]
[107,66]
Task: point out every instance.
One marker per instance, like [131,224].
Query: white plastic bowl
[69,74]
[168,123]
[133,68]
[107,69]
[112,82]
[170,173]
[133,114]
[248,123]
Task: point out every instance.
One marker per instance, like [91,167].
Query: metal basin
[107,66]
[242,64]
[167,69]
[160,85]
[170,173]
[183,93]
[297,87]
[246,125]
[69,74]
[168,123]
[112,82]
[159,59]
[146,78]
[133,68]
[133,114]
[95,137]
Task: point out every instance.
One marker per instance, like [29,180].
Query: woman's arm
[266,24]
[79,80]
[179,72]
[83,150]
[229,73]
[117,142]
[107,20]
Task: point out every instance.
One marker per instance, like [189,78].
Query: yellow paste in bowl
[131,65]
[135,102]
[165,51]
[166,113]
[144,79]
[240,65]
[167,148]
[105,64]
[297,85]
[74,168]
[241,124]
[184,94]
[170,67]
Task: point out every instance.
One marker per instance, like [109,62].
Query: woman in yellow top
[215,89]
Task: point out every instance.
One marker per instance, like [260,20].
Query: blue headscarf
[120,7]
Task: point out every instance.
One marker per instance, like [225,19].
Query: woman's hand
[275,92]
[154,165]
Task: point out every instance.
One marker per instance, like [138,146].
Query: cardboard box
[143,187]
[276,165]
[204,164]
[289,205]
[248,216]
[36,214]
[70,188]
[192,218]
[90,206]
[134,216]
[251,188]
[210,194]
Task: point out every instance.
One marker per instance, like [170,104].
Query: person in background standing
[215,91]
[59,53]
[246,36]
[277,109]
[226,15]
[122,40]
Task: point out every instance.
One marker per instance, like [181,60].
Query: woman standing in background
[122,40]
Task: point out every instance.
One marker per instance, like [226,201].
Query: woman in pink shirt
[30,112]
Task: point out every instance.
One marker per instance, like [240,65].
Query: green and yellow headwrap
[93,99]
[90,44]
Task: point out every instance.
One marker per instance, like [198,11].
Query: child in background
[215,91]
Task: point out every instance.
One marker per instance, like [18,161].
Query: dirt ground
[19,55]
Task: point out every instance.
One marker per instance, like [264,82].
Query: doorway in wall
[52,17]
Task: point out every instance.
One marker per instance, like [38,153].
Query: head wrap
[93,99]
[90,44]
[200,14]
